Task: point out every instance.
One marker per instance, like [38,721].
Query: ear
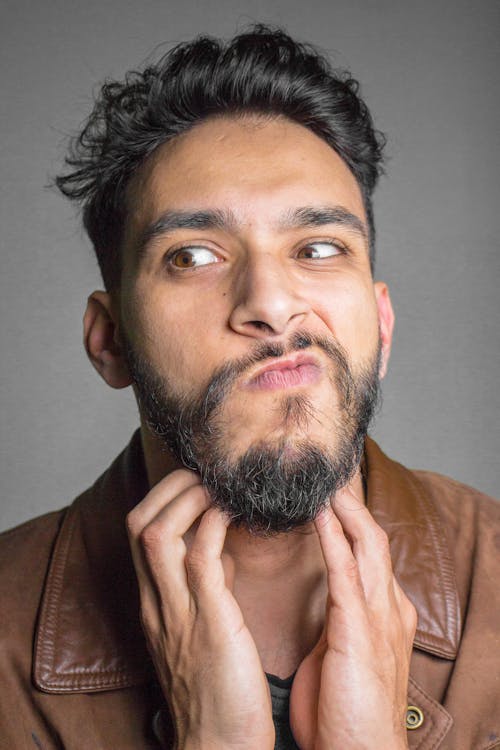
[102,341]
[386,323]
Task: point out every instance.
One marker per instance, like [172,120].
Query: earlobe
[101,340]
[386,323]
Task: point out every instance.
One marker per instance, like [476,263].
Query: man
[249,572]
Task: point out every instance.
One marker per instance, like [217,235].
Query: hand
[350,692]
[205,657]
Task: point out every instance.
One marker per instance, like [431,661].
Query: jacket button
[414,717]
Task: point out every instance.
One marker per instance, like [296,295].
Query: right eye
[192,257]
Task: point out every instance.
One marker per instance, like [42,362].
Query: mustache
[224,378]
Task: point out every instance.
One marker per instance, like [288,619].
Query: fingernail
[346,499]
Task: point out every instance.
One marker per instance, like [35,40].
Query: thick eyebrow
[297,218]
[313,216]
[169,221]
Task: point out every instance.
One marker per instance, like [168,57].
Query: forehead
[255,167]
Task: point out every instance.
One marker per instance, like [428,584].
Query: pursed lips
[286,373]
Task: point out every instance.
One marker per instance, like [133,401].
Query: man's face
[246,272]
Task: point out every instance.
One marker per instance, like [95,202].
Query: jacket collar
[89,636]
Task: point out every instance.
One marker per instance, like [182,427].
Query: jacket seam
[445,569]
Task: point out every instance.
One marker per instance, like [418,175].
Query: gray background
[429,72]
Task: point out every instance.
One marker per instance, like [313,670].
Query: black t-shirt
[280,697]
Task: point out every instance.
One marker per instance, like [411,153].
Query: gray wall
[430,74]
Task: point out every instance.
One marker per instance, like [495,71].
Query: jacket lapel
[419,550]
[89,636]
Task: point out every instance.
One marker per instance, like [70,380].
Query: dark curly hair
[262,71]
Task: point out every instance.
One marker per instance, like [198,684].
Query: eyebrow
[312,216]
[225,220]
[170,220]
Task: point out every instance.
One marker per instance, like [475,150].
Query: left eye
[320,250]
[193,256]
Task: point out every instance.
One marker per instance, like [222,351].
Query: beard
[275,486]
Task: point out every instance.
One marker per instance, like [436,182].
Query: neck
[158,460]
[279,581]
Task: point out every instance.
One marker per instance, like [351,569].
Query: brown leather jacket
[74,668]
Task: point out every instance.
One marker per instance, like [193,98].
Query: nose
[268,300]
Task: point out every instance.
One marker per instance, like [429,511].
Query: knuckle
[151,539]
[197,569]
[380,539]
[147,621]
[380,546]
[410,615]
[351,569]
[132,523]
[195,562]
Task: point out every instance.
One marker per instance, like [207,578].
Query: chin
[291,420]
[276,486]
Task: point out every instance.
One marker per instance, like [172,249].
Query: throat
[285,615]
[283,660]
[284,638]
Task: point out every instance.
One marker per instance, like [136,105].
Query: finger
[162,539]
[205,571]
[356,519]
[160,550]
[159,496]
[344,583]
[369,542]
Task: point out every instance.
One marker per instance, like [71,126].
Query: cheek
[177,334]
[349,311]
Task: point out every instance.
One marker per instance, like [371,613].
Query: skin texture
[220,606]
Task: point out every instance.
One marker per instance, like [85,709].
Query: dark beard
[270,488]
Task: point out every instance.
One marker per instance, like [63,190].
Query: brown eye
[319,250]
[191,257]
